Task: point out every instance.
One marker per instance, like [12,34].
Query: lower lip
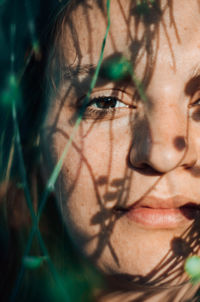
[157,218]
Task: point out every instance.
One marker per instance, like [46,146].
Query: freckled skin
[107,161]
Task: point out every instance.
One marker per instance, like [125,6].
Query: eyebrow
[71,73]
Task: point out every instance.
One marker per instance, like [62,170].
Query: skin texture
[142,149]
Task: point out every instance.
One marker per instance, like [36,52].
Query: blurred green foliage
[192,267]
[116,69]
[11,93]
[33,262]
[23,25]
[63,275]
[143,7]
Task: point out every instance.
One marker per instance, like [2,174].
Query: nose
[162,139]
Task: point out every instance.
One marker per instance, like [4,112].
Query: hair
[58,277]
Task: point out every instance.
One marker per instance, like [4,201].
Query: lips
[156,212]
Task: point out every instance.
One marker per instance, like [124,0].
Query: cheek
[95,153]
[97,156]
[87,190]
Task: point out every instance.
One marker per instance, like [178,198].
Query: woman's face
[129,187]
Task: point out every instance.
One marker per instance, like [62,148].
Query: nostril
[179,143]
[149,170]
[144,166]
[146,169]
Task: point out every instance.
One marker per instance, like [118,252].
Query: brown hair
[16,221]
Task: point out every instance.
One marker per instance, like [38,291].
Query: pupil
[106,102]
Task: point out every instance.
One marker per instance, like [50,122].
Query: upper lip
[155,202]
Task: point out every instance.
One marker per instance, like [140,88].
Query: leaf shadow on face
[117,191]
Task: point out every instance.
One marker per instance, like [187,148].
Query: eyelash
[103,106]
[106,100]
[197,102]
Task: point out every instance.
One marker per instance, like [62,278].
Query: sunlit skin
[141,148]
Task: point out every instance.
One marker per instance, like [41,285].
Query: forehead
[170,30]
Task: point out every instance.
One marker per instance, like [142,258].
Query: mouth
[158,213]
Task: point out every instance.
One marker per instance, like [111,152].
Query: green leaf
[192,267]
[144,6]
[20,185]
[2,2]
[11,93]
[33,262]
[116,68]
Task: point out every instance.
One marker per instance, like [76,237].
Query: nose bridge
[168,128]
[165,145]
[167,121]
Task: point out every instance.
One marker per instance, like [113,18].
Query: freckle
[185,28]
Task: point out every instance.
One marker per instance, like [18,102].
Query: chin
[141,257]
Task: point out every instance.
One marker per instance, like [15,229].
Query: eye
[195,107]
[195,100]
[196,103]
[113,104]
[106,102]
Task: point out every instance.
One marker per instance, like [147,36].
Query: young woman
[128,185]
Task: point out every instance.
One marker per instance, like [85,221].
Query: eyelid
[121,95]
[195,103]
[107,99]
[104,114]
[195,99]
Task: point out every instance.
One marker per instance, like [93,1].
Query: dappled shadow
[112,193]
[168,270]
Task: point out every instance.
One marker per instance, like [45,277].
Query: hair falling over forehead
[145,13]
[56,58]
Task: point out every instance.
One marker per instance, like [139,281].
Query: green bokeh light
[192,267]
